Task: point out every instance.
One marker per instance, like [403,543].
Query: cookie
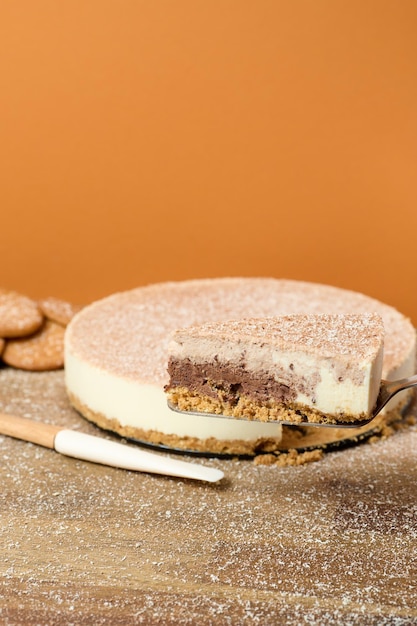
[44,350]
[19,315]
[58,310]
[2,344]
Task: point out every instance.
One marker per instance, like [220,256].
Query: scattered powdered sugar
[128,333]
[326,543]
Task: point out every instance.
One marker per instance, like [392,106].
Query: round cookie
[43,350]
[2,344]
[116,352]
[19,315]
[58,311]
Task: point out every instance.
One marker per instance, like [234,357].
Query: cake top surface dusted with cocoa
[358,336]
[128,333]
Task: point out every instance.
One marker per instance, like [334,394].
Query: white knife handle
[99,450]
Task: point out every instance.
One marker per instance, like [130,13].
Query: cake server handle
[98,450]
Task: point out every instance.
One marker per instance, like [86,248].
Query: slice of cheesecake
[295,368]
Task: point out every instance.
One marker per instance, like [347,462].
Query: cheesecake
[293,368]
[117,351]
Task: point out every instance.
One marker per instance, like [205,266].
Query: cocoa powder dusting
[356,336]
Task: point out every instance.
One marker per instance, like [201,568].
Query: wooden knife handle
[28,430]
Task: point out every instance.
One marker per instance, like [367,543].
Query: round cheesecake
[116,354]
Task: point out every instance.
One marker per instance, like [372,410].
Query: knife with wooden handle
[98,450]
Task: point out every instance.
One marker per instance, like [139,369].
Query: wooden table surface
[328,542]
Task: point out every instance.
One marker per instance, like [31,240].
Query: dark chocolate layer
[226,381]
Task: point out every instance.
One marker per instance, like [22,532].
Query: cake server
[388,389]
[98,450]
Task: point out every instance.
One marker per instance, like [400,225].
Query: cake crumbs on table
[290,458]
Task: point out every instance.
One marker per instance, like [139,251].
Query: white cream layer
[145,406]
[331,395]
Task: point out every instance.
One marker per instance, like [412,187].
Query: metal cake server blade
[388,389]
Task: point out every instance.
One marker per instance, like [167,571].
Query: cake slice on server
[293,368]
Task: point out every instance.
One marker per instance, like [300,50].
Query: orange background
[152,140]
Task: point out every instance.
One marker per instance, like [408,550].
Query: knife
[98,450]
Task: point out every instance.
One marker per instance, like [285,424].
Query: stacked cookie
[32,333]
